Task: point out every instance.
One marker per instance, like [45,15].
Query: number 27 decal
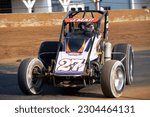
[70,64]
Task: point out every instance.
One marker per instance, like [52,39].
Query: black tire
[48,51]
[128,62]
[113,79]
[28,73]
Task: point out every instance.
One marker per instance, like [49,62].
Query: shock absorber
[107,51]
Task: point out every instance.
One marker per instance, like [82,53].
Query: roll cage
[83,16]
[101,15]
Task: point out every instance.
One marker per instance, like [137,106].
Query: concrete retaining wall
[51,19]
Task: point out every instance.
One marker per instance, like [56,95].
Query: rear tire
[28,76]
[113,79]
[128,62]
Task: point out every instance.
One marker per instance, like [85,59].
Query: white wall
[41,6]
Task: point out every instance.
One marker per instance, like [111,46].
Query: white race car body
[74,63]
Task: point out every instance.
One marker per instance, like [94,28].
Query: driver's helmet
[86,26]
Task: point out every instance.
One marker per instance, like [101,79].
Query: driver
[86,26]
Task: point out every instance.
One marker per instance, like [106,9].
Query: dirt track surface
[139,90]
[19,43]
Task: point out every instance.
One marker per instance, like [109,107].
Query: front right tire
[113,79]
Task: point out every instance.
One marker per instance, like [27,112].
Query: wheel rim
[33,80]
[131,66]
[36,81]
[119,79]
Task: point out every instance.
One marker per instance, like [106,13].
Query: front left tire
[29,76]
[113,79]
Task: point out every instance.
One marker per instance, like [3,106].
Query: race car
[83,56]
